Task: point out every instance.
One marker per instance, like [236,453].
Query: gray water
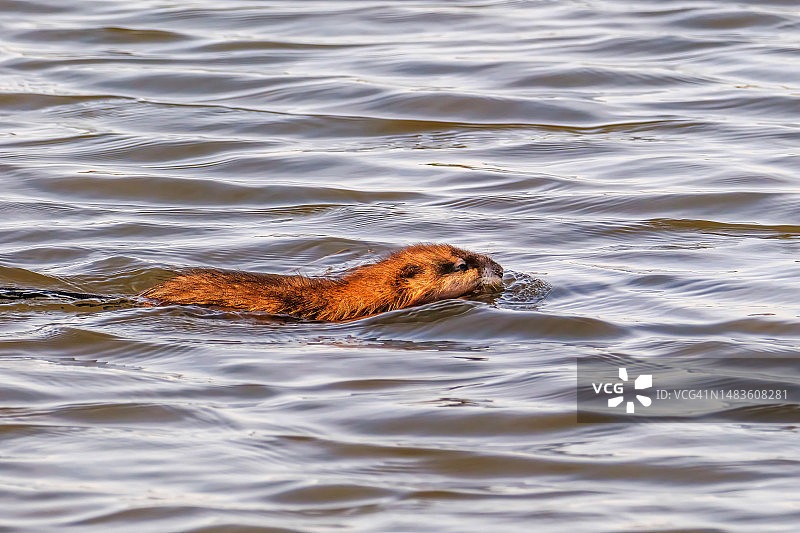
[640,159]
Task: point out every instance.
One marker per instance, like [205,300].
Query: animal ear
[409,271]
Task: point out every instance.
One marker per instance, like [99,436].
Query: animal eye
[460,266]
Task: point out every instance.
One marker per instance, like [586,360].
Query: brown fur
[412,276]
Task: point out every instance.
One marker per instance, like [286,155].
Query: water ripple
[632,165]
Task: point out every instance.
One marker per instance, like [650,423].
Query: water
[640,159]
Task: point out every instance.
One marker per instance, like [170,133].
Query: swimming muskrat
[415,275]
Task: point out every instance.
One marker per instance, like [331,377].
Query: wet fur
[412,276]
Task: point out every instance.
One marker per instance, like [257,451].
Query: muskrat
[415,275]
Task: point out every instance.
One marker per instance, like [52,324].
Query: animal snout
[492,275]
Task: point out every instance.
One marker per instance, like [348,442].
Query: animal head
[430,272]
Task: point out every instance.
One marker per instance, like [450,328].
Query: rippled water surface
[638,159]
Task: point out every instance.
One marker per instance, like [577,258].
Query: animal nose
[497,269]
